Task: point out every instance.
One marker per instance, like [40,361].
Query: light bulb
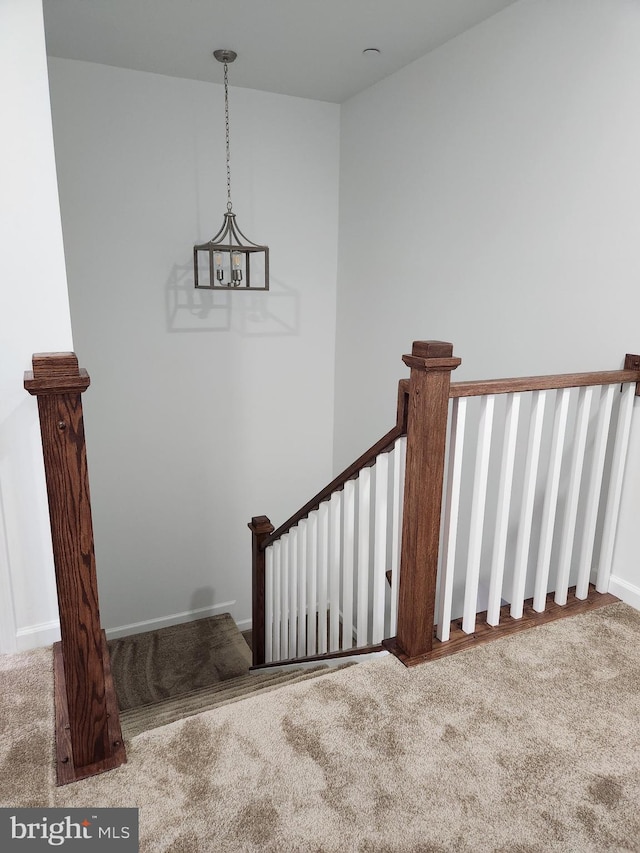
[236,272]
[217,258]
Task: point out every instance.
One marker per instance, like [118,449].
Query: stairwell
[320,579]
[166,675]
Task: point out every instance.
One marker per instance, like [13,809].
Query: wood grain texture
[402,412]
[426,437]
[64,751]
[82,651]
[484,633]
[66,770]
[260,528]
[72,536]
[431,349]
[542,383]
[51,364]
[55,373]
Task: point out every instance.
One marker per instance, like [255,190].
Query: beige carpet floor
[526,745]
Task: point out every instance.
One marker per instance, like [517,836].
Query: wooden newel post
[260,528]
[431,363]
[88,736]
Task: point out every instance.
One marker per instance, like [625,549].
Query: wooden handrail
[350,473]
[343,653]
[541,383]
[368,458]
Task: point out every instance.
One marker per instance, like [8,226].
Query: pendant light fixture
[230,260]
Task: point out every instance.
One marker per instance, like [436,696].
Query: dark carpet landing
[172,673]
[158,665]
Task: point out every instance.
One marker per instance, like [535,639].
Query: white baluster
[335,546]
[284,597]
[312,583]
[277,597]
[362,601]
[302,587]
[505,487]
[478,506]
[399,458]
[380,546]
[450,523]
[528,499]
[323,574]
[268,605]
[348,552]
[551,499]
[293,590]
[623,431]
[573,494]
[594,491]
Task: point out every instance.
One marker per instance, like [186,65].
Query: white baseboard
[627,592]
[172,619]
[48,633]
[37,636]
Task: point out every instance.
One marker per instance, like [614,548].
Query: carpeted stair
[165,675]
[137,720]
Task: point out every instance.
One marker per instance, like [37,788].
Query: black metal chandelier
[230,260]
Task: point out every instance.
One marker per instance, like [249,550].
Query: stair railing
[531,498]
[531,510]
[325,583]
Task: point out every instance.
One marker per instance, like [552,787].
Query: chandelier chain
[226,127]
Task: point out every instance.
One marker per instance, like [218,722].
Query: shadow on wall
[273,313]
[202,601]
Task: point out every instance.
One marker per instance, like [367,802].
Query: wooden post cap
[260,524]
[431,355]
[55,373]
[54,364]
[432,349]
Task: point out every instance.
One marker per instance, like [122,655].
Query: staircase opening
[176,672]
[488,508]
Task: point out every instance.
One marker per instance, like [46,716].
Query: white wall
[489,197]
[34,318]
[200,414]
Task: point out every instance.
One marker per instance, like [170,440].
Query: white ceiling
[308,48]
